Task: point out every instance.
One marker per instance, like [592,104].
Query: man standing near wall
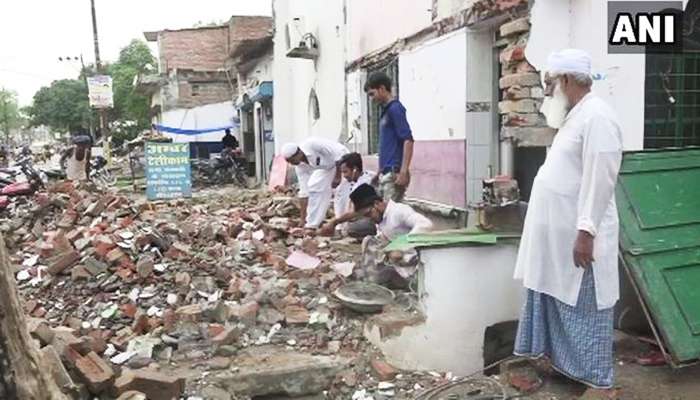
[568,252]
[395,139]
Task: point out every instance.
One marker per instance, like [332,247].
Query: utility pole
[103,111]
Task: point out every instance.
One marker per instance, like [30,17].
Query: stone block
[266,371]
[512,54]
[518,106]
[529,136]
[524,79]
[155,385]
[515,27]
[64,261]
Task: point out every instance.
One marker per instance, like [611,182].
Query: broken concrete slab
[267,370]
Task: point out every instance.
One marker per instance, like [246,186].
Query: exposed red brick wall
[247,28]
[203,49]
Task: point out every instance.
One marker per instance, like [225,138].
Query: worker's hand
[328,229]
[403,179]
[583,250]
[336,181]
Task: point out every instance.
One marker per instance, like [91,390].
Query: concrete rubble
[132,299]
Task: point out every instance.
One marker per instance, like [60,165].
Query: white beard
[555,108]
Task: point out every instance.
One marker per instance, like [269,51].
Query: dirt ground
[636,382]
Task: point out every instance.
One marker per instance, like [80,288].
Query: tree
[130,108]
[9,112]
[63,106]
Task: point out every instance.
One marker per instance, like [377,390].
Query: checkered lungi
[577,340]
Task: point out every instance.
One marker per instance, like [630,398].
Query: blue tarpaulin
[191,132]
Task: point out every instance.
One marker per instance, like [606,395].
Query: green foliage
[10,117]
[134,59]
[63,106]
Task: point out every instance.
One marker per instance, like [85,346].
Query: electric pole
[103,111]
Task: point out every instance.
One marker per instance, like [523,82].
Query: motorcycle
[33,181]
[223,169]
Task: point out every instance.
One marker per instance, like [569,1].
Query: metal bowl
[364,297]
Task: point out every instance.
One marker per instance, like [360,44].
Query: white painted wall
[467,289]
[203,117]
[294,78]
[558,24]
[434,91]
[375,24]
[356,110]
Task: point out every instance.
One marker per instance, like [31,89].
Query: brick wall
[522,91]
[203,49]
[249,28]
[194,94]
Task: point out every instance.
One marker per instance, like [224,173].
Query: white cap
[569,61]
[289,150]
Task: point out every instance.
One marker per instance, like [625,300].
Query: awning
[658,198]
[261,92]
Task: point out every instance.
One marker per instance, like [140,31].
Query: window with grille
[672,100]
[375,110]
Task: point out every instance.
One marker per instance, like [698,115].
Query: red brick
[155,385]
[114,256]
[129,309]
[64,261]
[45,249]
[177,251]
[144,267]
[191,313]
[80,272]
[169,320]
[215,329]
[92,370]
[384,371]
[103,244]
[30,306]
[67,219]
[74,235]
[296,315]
[96,208]
[228,336]
[141,324]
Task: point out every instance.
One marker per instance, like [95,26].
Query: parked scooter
[32,182]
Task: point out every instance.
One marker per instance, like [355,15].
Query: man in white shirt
[568,252]
[353,172]
[316,163]
[392,219]
[76,159]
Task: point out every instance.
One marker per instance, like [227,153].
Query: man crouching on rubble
[316,161]
[393,220]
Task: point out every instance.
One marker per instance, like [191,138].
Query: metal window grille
[672,102]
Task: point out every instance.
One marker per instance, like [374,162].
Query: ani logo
[645,26]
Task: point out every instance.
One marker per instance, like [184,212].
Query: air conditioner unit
[300,42]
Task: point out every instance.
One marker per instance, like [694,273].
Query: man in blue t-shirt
[395,139]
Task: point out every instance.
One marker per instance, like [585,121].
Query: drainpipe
[507,157]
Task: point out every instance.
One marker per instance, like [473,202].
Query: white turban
[569,61]
[289,150]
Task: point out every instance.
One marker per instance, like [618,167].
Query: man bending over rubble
[317,167]
[355,175]
[393,220]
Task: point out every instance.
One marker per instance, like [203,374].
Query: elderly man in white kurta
[316,160]
[568,252]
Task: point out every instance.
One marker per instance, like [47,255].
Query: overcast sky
[34,33]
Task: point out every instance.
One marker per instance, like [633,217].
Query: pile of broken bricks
[164,300]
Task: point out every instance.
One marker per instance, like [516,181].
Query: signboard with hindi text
[168,171]
[100,91]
